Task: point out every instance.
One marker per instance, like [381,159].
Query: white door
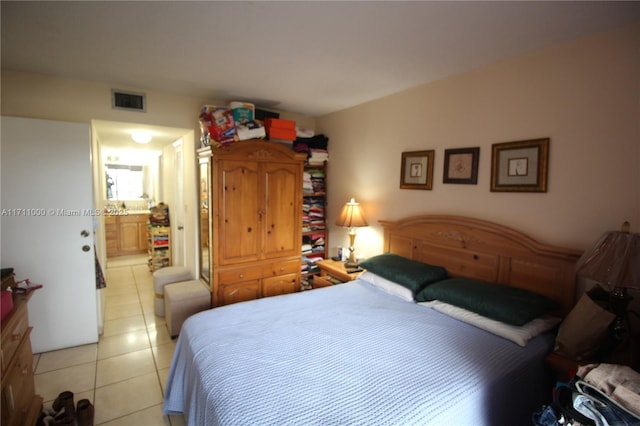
[47,226]
[178,211]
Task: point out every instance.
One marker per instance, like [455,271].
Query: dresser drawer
[13,333]
[18,388]
[319,282]
[282,268]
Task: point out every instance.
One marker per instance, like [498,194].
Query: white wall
[46,97]
[583,95]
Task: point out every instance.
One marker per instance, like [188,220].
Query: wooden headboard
[475,248]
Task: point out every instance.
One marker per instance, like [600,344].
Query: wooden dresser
[20,404]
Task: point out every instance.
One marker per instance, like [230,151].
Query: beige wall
[583,95]
[39,96]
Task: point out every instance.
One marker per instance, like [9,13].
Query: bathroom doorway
[139,166]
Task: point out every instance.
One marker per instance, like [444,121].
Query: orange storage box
[283,134]
[278,128]
[279,122]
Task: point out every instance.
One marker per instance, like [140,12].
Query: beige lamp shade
[614,260]
[352,216]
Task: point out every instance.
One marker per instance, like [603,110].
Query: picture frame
[461,166]
[417,170]
[520,166]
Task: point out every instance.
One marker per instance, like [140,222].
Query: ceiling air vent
[128,100]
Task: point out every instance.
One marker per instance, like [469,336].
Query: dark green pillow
[409,273]
[510,305]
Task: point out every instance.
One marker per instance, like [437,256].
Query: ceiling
[117,137]
[306,57]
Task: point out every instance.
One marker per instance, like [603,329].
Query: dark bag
[563,402]
[580,393]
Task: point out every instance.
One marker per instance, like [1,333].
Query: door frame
[189,191]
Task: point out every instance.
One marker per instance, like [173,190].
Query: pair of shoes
[84,413]
[65,411]
[62,400]
[62,411]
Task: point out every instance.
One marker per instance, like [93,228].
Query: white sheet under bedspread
[350,354]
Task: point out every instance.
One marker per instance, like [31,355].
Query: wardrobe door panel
[283,204]
[239,209]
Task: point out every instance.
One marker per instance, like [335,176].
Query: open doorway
[135,168]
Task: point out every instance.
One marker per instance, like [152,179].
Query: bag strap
[563,402]
[593,392]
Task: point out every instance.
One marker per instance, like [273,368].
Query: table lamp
[351,217]
[614,260]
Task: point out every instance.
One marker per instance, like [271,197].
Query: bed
[364,352]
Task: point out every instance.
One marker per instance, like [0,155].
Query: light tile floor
[124,374]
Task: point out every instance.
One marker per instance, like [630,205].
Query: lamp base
[351,262]
[619,301]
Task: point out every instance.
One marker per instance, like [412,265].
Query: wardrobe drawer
[282,284]
[282,268]
[241,274]
[238,292]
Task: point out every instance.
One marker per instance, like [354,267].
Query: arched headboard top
[489,251]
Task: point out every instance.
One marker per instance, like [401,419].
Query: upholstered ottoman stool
[181,300]
[164,276]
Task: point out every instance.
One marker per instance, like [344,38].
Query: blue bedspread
[350,354]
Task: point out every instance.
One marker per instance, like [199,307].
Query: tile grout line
[155,361]
[153,354]
[147,333]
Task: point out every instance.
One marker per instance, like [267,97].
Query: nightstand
[332,272]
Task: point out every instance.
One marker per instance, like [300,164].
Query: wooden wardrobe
[255,217]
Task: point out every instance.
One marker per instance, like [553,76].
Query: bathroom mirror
[124,182]
[204,193]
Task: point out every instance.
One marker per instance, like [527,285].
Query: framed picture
[461,165]
[417,170]
[520,166]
